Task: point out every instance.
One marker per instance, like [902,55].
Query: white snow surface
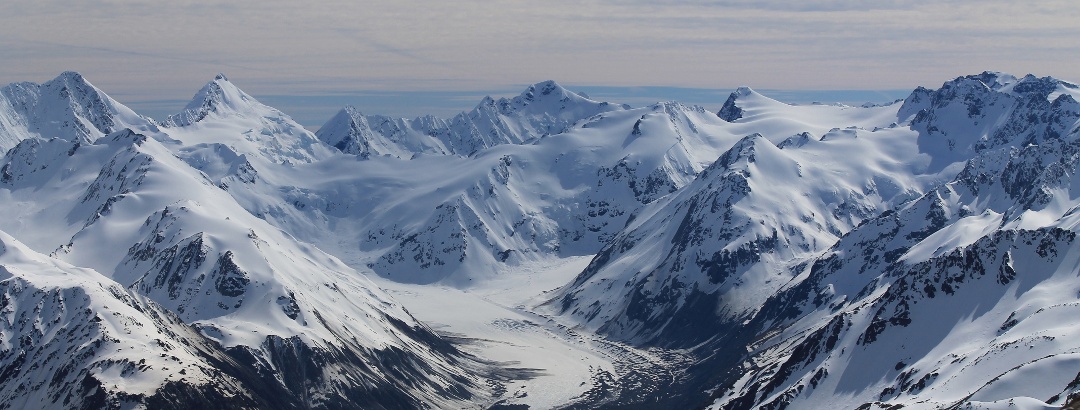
[573,238]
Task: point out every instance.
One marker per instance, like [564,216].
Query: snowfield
[543,251]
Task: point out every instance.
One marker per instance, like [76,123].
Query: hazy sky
[154,53]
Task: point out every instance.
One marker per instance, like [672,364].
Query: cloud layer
[152,50]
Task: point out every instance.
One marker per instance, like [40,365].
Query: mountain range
[916,254]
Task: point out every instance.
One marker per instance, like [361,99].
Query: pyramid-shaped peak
[223,90]
[71,79]
[221,93]
[739,100]
[740,155]
[219,96]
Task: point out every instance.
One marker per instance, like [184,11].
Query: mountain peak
[72,79]
[221,93]
[219,96]
[71,76]
[546,92]
[549,87]
[731,111]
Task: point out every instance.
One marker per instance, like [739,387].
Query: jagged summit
[1045,87]
[219,97]
[989,110]
[993,79]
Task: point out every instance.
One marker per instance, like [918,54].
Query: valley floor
[503,320]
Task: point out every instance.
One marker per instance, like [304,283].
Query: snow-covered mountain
[954,298]
[763,255]
[866,283]
[313,329]
[74,338]
[67,107]
[566,193]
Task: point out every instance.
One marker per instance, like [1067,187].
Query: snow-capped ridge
[67,107]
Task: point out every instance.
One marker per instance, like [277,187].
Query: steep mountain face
[72,338]
[67,107]
[974,113]
[542,109]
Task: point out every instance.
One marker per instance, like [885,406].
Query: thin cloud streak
[165,51]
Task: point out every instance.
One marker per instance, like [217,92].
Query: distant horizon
[408,57]
[312,111]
